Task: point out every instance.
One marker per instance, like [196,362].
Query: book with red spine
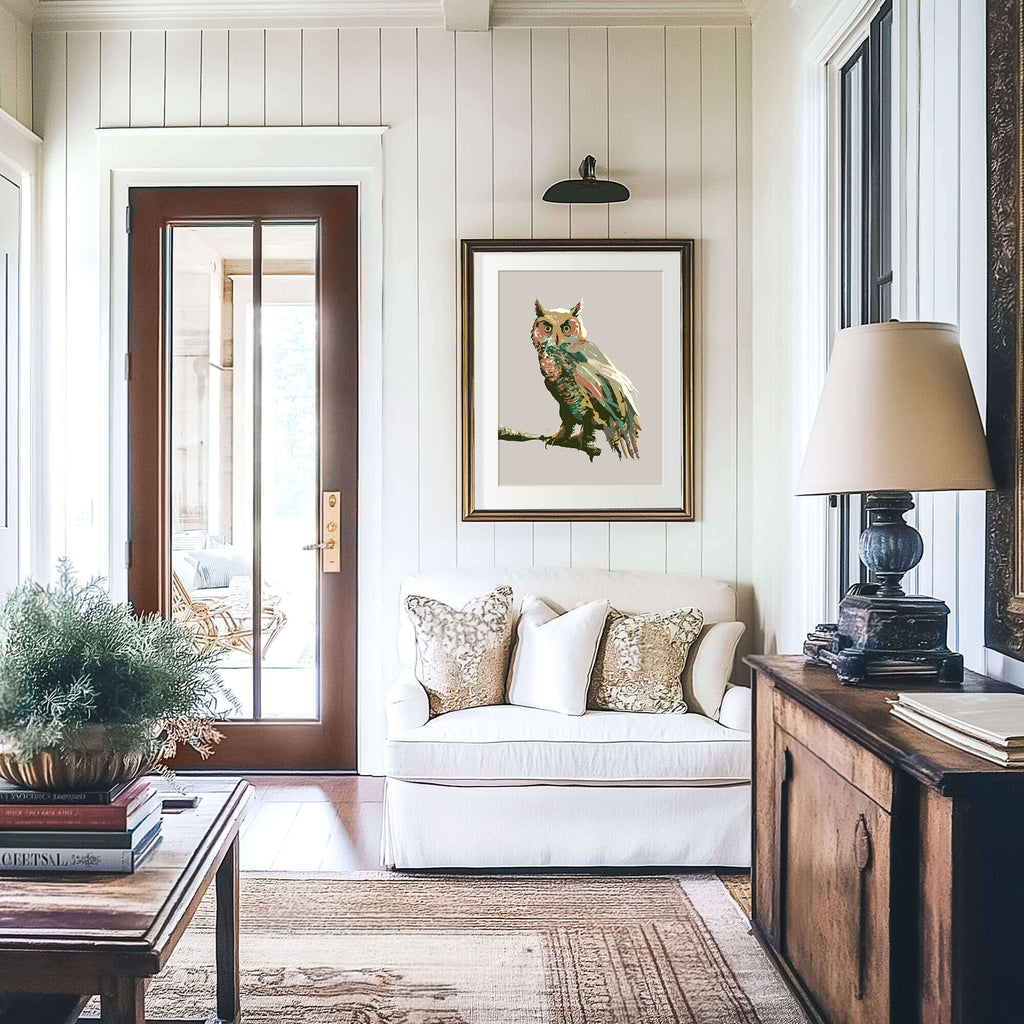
[116,816]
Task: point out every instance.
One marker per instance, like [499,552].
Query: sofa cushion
[640,661]
[515,744]
[555,656]
[462,653]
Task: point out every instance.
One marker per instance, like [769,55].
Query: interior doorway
[242,402]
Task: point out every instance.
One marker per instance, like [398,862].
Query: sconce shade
[897,413]
[587,188]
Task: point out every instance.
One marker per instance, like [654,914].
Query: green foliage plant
[71,657]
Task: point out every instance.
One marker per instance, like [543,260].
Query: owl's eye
[547,327]
[565,327]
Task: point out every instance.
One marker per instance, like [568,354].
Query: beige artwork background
[622,313]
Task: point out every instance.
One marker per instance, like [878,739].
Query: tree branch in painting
[576,442]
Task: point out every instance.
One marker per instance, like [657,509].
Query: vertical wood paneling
[8,62]
[512,208]
[474,208]
[359,57]
[320,76]
[437,255]
[146,102]
[946,304]
[588,133]
[23,73]
[588,121]
[399,100]
[637,137]
[213,87]
[480,125]
[85,382]
[247,76]
[549,71]
[283,76]
[683,220]
[744,338]
[49,90]
[115,79]
[183,77]
[718,215]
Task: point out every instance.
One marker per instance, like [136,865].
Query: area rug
[383,948]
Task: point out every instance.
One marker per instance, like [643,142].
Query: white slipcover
[507,786]
[513,744]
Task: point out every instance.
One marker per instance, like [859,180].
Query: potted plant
[92,694]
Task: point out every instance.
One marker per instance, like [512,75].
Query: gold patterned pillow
[462,654]
[640,661]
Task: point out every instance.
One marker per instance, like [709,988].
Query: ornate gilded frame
[471,511]
[1004,579]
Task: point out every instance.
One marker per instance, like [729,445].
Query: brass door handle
[329,545]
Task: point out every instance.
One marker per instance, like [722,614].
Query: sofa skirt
[427,825]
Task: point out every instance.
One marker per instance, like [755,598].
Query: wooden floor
[313,823]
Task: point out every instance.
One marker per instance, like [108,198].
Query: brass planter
[90,759]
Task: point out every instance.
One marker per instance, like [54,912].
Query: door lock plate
[330,548]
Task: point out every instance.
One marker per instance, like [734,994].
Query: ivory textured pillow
[640,660]
[462,654]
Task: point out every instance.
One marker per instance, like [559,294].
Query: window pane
[211,444]
[289,477]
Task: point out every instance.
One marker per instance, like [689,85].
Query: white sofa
[508,787]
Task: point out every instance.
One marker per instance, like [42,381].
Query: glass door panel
[244,477]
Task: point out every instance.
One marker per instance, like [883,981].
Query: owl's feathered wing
[611,395]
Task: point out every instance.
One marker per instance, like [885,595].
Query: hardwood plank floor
[312,823]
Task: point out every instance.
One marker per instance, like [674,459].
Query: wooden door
[242,403]
[833,876]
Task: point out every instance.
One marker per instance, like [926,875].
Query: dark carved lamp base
[882,634]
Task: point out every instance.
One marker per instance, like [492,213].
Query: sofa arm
[407,705]
[736,710]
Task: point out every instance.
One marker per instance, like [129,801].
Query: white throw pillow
[555,656]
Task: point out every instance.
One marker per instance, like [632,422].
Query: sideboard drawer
[861,768]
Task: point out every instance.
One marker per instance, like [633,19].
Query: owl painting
[591,392]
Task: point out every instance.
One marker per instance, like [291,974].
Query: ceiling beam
[467,15]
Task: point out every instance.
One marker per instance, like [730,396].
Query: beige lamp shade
[897,413]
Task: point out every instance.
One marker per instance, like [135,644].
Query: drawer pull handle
[862,858]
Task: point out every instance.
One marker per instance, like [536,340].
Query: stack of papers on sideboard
[989,725]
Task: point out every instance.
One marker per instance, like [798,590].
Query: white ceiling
[72,14]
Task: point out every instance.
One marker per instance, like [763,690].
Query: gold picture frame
[607,423]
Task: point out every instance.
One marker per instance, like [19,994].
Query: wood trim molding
[112,14]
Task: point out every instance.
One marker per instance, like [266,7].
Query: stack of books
[109,830]
[989,725]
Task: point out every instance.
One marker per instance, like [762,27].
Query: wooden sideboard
[888,867]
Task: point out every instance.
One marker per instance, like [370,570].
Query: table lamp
[897,414]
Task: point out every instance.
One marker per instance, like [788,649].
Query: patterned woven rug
[477,949]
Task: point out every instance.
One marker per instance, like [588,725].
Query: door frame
[131,157]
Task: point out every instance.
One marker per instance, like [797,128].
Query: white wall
[15,65]
[480,125]
[940,175]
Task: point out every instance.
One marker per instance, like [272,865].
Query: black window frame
[866,235]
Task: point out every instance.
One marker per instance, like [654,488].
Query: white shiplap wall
[15,66]
[941,275]
[480,125]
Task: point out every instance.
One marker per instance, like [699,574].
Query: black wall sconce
[587,188]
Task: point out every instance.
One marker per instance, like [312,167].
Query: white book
[996,718]
[1000,755]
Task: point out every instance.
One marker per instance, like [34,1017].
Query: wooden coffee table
[65,938]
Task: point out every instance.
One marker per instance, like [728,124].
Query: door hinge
[128,220]
[127,366]
[127,554]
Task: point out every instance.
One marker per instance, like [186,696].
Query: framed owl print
[577,380]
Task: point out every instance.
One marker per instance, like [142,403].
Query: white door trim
[257,156]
